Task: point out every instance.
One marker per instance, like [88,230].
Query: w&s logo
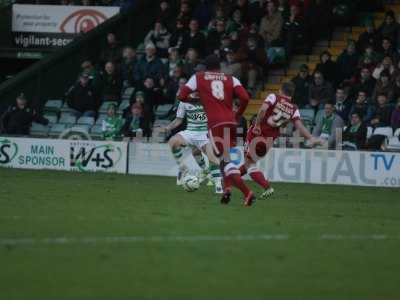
[8,151]
[82,20]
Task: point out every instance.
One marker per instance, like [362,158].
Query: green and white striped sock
[201,161]
[215,172]
[177,153]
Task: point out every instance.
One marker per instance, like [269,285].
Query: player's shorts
[197,139]
[223,138]
[257,146]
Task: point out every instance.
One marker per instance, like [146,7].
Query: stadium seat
[387,131]
[100,119]
[124,104]
[128,93]
[397,132]
[370,130]
[394,144]
[162,111]
[160,123]
[39,130]
[96,132]
[65,108]
[85,121]
[51,117]
[53,106]
[80,128]
[307,115]
[105,105]
[66,118]
[57,129]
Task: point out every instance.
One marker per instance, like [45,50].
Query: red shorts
[257,146]
[223,138]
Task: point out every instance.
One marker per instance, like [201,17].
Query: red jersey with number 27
[281,111]
[216,91]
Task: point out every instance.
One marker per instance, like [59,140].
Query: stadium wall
[375,169]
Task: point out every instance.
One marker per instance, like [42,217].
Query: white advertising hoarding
[376,169]
[68,155]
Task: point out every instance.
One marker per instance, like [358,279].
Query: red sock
[243,170]
[259,178]
[239,183]
[227,184]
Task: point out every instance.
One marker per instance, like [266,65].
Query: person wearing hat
[18,117]
[302,82]
[81,97]
[112,125]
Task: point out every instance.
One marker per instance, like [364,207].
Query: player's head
[212,62]
[288,89]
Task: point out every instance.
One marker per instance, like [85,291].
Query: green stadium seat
[53,106]
[96,132]
[162,111]
[86,121]
[39,130]
[128,93]
[105,105]
[57,129]
[67,118]
[51,117]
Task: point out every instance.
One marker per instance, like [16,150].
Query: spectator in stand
[203,12]
[343,103]
[383,86]
[159,36]
[235,23]
[192,63]
[128,66]
[254,63]
[173,85]
[389,28]
[185,13]
[364,82]
[355,135]
[165,15]
[18,118]
[150,66]
[386,64]
[395,118]
[347,62]
[382,113]
[328,125]
[94,75]
[81,98]
[178,35]
[396,89]
[230,66]
[284,8]
[215,36]
[174,61]
[362,107]
[111,126]
[112,51]
[293,31]
[370,58]
[134,122]
[370,37]
[327,67]
[302,82]
[111,83]
[321,92]
[271,25]
[389,50]
[194,39]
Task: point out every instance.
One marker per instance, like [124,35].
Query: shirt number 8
[217,89]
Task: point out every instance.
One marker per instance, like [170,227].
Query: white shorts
[193,138]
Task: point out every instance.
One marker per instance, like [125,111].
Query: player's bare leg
[177,143]
[199,158]
[215,170]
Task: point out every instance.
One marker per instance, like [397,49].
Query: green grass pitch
[106,236]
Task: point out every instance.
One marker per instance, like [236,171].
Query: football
[190,183]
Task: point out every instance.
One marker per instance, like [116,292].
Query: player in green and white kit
[196,136]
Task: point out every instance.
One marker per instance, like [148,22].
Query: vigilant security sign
[43,26]
[66,155]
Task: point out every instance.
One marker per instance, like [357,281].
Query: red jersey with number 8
[216,91]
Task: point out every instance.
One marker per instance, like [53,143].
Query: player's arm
[185,91]
[243,96]
[298,124]
[260,116]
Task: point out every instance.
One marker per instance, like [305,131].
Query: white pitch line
[195,238]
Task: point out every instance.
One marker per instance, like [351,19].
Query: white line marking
[195,238]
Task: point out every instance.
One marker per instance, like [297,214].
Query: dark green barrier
[50,77]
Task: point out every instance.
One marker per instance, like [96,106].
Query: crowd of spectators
[122,3]
[360,88]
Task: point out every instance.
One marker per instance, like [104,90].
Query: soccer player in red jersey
[216,91]
[276,112]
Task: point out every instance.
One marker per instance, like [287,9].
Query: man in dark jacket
[355,135]
[150,66]
[111,83]
[194,39]
[82,98]
[342,104]
[327,67]
[302,84]
[321,92]
[347,62]
[18,118]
